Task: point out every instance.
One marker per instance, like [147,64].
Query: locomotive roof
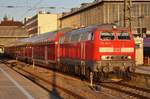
[94,27]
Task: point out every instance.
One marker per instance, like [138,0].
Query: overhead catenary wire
[28,10]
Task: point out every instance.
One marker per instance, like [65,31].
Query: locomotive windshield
[123,35]
[107,36]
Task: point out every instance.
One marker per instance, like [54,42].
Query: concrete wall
[139,51]
[47,22]
[73,21]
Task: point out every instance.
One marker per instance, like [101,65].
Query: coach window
[123,35]
[61,40]
[67,38]
[75,37]
[90,36]
[107,36]
[83,36]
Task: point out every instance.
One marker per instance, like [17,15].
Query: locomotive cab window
[123,35]
[107,36]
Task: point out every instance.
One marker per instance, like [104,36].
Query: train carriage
[41,49]
[97,49]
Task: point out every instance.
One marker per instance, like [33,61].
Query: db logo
[117,49]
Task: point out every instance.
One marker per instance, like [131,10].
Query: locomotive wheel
[64,68]
[105,69]
[76,69]
[73,70]
[60,67]
[68,69]
[83,70]
[95,76]
[100,76]
[117,72]
[131,69]
[80,70]
[128,75]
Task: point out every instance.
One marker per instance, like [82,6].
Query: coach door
[82,51]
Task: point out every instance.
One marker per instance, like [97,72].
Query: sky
[19,9]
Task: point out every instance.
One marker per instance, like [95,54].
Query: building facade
[41,23]
[10,31]
[109,11]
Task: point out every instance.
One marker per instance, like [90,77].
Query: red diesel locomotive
[99,49]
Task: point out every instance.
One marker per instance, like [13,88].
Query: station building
[10,31]
[109,11]
[41,23]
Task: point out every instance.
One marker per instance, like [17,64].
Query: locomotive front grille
[116,63]
[122,65]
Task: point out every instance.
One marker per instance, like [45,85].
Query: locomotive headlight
[112,57]
[103,57]
[129,57]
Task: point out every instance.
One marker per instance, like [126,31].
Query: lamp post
[128,14]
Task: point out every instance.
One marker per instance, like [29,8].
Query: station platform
[143,70]
[15,86]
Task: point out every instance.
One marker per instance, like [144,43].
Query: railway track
[130,90]
[134,91]
[34,76]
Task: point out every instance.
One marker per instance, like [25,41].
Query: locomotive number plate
[117,49]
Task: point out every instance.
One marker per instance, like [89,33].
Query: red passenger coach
[45,49]
[102,48]
[41,49]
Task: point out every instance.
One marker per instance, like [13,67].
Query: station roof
[12,31]
[9,34]
[85,6]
